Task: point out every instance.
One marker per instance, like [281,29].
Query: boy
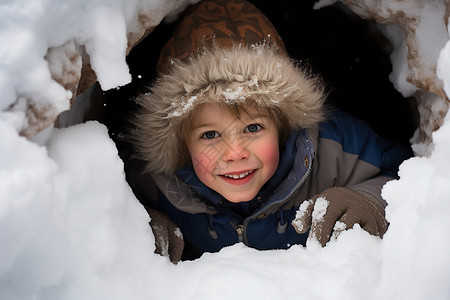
[237,146]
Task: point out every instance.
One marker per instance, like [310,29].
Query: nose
[234,151]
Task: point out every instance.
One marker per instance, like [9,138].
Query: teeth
[238,176]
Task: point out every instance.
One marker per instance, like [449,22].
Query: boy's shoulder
[344,128]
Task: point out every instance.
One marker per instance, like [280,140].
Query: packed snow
[71,228]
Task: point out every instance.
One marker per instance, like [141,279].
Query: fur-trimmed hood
[256,68]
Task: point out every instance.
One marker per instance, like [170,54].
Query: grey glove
[168,238]
[337,209]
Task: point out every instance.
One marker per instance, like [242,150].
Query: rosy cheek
[204,161]
[201,165]
[269,156]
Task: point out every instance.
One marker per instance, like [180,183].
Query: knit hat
[223,51]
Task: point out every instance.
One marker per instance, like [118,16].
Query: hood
[223,23]
[222,51]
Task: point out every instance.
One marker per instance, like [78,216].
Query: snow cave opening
[349,53]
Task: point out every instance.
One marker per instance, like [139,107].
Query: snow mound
[71,228]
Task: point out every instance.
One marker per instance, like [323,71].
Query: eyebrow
[196,127]
[255,116]
[245,116]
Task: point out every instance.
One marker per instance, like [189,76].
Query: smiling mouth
[238,176]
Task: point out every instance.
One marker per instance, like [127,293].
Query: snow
[71,228]
[232,95]
[320,209]
[443,70]
[184,107]
[299,221]
[415,246]
[107,46]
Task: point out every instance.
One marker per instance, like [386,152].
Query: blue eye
[253,128]
[209,135]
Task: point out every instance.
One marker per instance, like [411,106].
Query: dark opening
[353,58]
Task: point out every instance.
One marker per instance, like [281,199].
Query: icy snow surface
[70,227]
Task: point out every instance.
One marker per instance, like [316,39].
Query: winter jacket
[343,151]
[227,51]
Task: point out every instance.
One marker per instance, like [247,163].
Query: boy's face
[234,157]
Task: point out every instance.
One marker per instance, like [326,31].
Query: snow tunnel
[68,62]
[350,53]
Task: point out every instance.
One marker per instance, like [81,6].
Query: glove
[168,237]
[337,209]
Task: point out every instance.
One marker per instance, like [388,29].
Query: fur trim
[229,76]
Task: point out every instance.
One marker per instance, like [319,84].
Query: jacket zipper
[241,230]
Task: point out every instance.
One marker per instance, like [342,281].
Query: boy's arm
[364,161]
[368,162]
[371,188]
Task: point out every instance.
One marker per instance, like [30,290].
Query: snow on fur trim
[217,75]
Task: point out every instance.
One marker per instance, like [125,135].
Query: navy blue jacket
[342,151]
